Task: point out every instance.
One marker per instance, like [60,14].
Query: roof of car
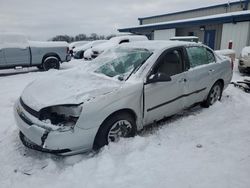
[133,37]
[156,44]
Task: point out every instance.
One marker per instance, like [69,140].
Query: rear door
[165,98]
[200,76]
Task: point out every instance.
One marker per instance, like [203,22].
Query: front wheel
[214,95]
[51,63]
[120,125]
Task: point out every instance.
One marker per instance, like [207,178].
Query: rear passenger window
[197,56]
[210,56]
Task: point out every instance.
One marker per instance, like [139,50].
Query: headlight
[66,115]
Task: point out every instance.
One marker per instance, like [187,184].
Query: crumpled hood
[70,87]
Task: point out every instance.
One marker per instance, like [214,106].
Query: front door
[165,98]
[209,38]
[2,59]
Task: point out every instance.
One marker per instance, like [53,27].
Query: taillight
[67,50]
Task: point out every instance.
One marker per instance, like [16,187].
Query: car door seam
[172,100]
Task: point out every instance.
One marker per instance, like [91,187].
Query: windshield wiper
[136,68]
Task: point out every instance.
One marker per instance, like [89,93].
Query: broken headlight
[65,115]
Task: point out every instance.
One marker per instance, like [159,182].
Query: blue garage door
[209,38]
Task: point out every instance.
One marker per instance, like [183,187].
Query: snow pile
[225,52]
[198,148]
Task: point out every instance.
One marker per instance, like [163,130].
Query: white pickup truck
[18,51]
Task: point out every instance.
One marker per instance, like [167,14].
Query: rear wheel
[40,67]
[120,125]
[51,63]
[214,95]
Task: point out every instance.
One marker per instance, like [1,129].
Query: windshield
[120,63]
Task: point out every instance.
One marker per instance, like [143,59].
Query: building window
[190,33]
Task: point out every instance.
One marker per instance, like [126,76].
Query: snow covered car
[115,41]
[244,61]
[76,44]
[79,51]
[17,51]
[125,89]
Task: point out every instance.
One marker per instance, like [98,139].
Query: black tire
[40,67]
[51,63]
[241,70]
[102,136]
[214,94]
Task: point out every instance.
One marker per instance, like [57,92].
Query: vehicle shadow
[12,72]
[154,127]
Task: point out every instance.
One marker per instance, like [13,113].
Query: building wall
[239,33]
[198,33]
[195,13]
[165,34]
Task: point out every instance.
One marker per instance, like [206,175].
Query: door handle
[210,71]
[183,80]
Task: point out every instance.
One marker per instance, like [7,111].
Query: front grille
[28,109]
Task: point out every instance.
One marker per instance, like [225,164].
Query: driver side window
[170,63]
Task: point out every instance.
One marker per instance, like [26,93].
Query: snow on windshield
[120,63]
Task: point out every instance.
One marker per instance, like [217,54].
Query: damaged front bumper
[35,133]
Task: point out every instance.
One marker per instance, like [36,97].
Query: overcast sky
[43,19]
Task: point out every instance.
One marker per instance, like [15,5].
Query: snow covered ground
[203,148]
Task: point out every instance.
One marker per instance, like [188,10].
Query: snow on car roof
[156,44]
[185,37]
[89,45]
[116,40]
[48,44]
[133,37]
[78,43]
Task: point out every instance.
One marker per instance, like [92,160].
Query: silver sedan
[120,92]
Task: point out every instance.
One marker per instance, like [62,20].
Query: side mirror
[158,77]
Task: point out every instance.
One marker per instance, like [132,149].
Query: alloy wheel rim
[215,94]
[119,129]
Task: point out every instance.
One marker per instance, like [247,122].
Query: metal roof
[245,2]
[232,17]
